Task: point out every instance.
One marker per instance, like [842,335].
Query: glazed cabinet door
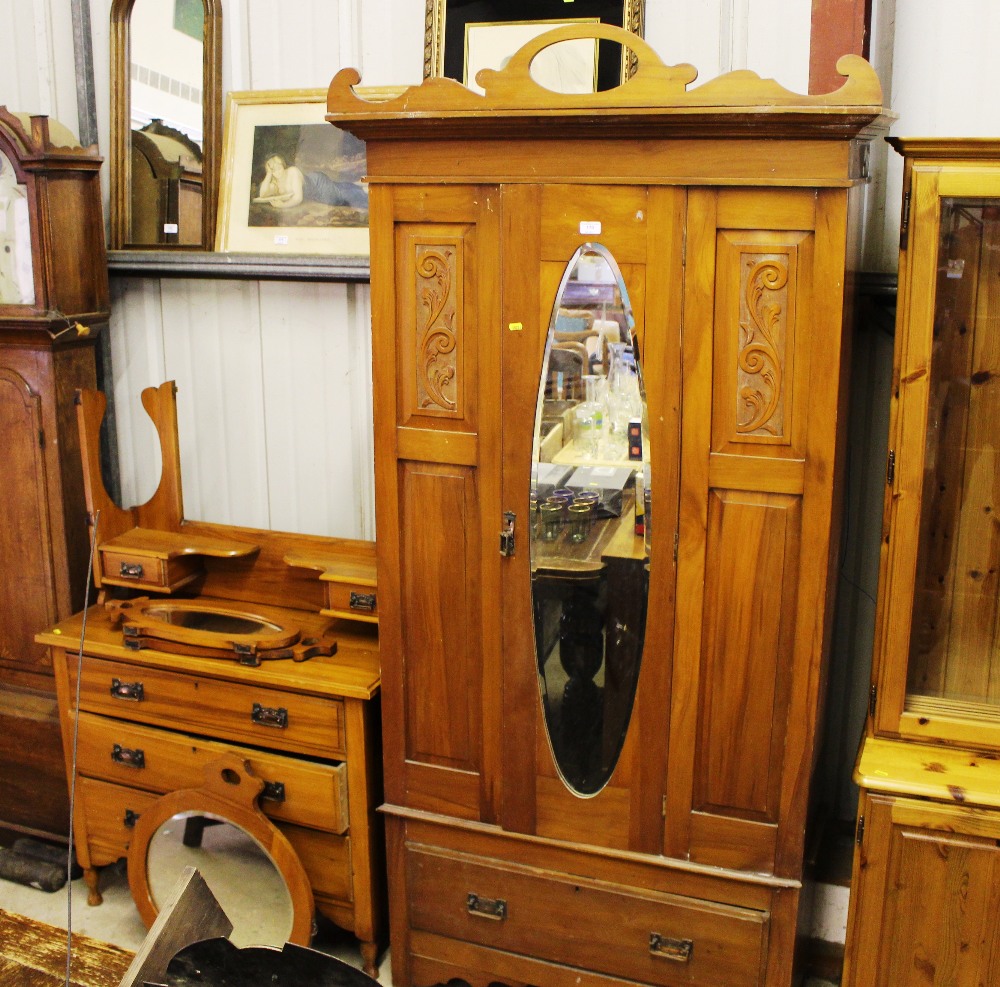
[762,361]
[590,330]
[436,406]
[926,892]
[938,639]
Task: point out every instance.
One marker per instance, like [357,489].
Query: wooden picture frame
[450,24]
[291,182]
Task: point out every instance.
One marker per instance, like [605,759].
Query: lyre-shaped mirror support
[123,218]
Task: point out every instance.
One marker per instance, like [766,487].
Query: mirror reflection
[590,520]
[214,621]
[165,101]
[242,876]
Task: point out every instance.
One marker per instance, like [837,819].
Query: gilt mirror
[166,94]
[463,36]
[590,509]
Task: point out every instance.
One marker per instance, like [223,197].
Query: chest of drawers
[148,723]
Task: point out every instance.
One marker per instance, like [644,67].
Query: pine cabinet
[928,765]
[599,723]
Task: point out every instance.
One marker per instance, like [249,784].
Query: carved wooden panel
[751,575]
[757,309]
[436,264]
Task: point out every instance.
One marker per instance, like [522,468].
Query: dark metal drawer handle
[127,690]
[363,601]
[127,756]
[131,817]
[491,908]
[130,570]
[269,716]
[274,791]
[678,950]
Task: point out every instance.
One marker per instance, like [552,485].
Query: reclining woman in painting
[285,186]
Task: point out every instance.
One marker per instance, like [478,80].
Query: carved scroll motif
[760,358]
[437,335]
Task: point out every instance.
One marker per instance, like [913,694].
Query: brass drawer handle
[678,950]
[130,757]
[491,908]
[132,691]
[363,601]
[130,570]
[269,716]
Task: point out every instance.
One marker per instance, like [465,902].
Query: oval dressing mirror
[590,509]
[166,71]
[220,830]
[231,861]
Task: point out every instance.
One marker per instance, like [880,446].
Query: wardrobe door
[435,393]
[590,336]
[762,362]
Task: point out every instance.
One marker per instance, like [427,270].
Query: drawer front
[352,600]
[148,572]
[110,812]
[236,711]
[654,938]
[302,792]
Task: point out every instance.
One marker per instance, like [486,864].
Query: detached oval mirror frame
[123,184]
[229,794]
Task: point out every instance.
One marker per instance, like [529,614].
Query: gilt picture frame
[463,36]
[291,182]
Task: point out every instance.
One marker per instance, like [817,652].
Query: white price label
[591,228]
[169,227]
[281,239]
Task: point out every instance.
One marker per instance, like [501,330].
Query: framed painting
[463,36]
[291,182]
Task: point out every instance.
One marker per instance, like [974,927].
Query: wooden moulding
[655,101]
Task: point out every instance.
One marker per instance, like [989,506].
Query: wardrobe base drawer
[649,937]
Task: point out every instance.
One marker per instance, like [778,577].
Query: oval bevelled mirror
[590,514]
[166,67]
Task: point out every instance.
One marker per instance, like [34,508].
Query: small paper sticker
[281,239]
[169,227]
[591,228]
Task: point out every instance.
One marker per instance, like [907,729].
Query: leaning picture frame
[463,36]
[291,183]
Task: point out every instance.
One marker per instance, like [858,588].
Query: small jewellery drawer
[650,937]
[236,711]
[295,790]
[148,572]
[354,601]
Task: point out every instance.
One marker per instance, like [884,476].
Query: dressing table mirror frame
[121,128]
[230,792]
